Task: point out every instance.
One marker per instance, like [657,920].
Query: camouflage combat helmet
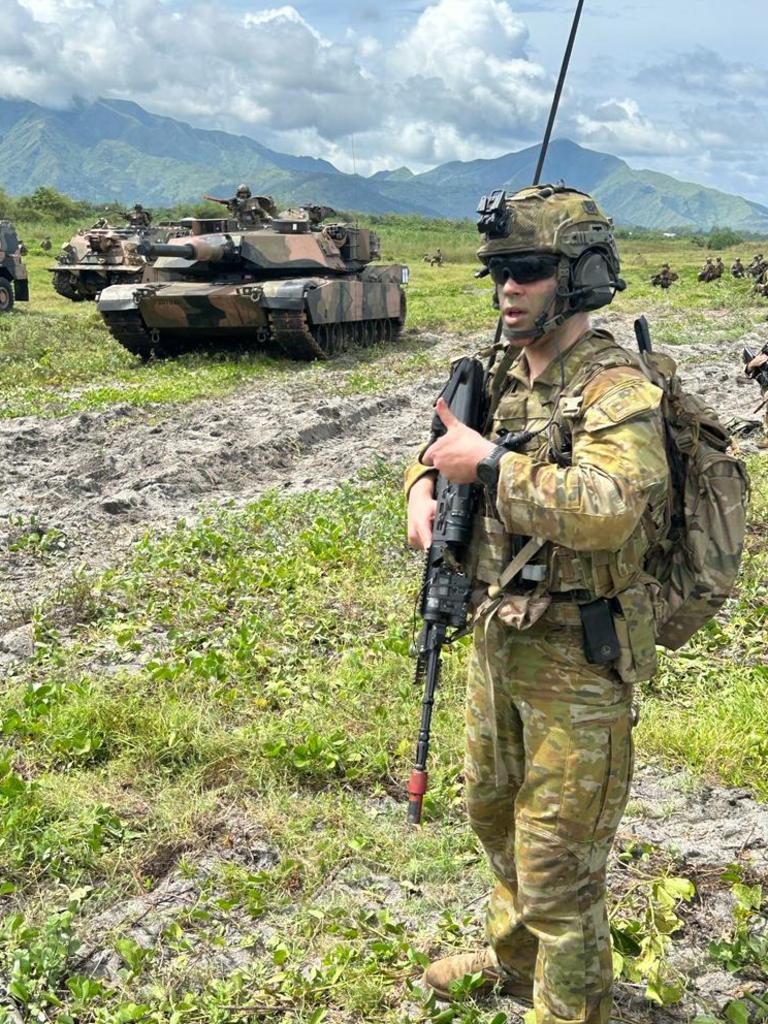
[560,221]
[243,190]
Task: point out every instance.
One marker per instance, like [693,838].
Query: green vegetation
[56,357]
[253,668]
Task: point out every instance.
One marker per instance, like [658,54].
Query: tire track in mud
[102,479]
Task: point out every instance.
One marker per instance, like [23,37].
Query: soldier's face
[522,304]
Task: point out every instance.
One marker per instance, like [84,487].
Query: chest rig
[519,565]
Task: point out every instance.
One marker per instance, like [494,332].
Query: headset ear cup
[593,281]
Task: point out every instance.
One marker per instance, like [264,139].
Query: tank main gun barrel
[201,251]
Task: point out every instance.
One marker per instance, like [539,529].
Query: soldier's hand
[760,360]
[457,453]
[421,513]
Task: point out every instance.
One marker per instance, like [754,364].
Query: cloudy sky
[678,86]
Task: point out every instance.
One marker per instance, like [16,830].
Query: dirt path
[97,481]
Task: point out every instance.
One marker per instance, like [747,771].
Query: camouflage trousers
[548,767]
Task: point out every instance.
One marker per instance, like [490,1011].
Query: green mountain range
[112,149]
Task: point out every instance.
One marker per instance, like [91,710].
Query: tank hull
[304,317]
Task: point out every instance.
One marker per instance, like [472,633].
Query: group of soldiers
[713,270]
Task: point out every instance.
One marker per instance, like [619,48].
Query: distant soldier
[46,244]
[707,272]
[138,217]
[437,260]
[761,284]
[754,268]
[247,209]
[719,268]
[23,250]
[664,278]
[737,268]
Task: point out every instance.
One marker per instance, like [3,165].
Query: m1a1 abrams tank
[102,255]
[296,283]
[14,284]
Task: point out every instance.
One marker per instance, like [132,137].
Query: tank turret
[296,282]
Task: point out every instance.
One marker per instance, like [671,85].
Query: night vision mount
[493,215]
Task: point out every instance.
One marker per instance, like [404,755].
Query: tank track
[65,286]
[128,328]
[290,330]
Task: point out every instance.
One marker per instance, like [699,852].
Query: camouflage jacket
[591,485]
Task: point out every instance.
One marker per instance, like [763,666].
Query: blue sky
[672,85]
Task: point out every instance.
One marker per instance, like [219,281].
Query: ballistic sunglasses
[522,269]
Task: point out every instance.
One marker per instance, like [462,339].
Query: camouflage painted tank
[102,255]
[296,283]
[14,285]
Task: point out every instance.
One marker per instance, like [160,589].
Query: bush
[723,238]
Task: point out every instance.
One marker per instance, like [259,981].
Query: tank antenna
[558,90]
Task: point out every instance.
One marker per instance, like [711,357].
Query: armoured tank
[102,255]
[14,284]
[306,287]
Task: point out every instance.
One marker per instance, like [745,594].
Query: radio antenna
[558,90]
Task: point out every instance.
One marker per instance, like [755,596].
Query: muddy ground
[97,481]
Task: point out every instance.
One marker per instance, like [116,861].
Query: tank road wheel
[6,296]
[387,331]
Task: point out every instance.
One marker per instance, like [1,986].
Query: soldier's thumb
[443,410]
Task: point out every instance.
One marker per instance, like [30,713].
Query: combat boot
[440,974]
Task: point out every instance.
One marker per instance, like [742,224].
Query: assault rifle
[446,591]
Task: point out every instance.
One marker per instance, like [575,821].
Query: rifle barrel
[417,783]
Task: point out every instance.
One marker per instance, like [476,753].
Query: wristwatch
[488,471]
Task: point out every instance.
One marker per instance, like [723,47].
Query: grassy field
[243,684]
[57,357]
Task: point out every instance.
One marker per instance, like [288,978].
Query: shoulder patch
[625,400]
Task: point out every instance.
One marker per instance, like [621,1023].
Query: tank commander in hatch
[138,217]
[590,484]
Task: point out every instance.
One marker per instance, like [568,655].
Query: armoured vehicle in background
[14,284]
[298,284]
[102,255]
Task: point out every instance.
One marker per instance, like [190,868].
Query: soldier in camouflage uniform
[138,217]
[737,268]
[549,719]
[708,271]
[665,277]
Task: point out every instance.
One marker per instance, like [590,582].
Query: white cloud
[619,126]
[459,81]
